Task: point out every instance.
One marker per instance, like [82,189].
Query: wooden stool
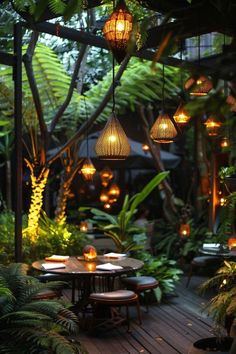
[115,299]
[141,285]
[44,278]
[203,262]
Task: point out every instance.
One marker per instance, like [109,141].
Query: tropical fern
[28,326]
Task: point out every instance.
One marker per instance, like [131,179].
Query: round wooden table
[89,279]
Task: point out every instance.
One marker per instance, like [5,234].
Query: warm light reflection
[114,191]
[222,201]
[106,175]
[90,266]
[112,139]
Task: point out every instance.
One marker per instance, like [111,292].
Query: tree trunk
[8,185]
[63,193]
[38,185]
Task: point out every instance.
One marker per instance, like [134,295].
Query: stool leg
[127,318]
[73,290]
[138,312]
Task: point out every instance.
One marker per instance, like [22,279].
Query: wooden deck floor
[167,329]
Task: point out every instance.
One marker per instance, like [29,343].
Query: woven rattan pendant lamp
[163,130]
[117,30]
[181,116]
[198,84]
[88,169]
[112,143]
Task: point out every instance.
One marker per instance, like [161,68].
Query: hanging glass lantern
[212,126]
[106,175]
[89,253]
[88,169]
[112,144]
[224,142]
[107,206]
[117,30]
[83,226]
[114,192]
[181,116]
[198,85]
[163,130]
[145,147]
[104,197]
[184,230]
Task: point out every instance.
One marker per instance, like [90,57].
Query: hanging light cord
[113,73]
[163,86]
[199,49]
[181,58]
[113,84]
[86,114]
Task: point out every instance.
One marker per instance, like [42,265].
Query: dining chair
[44,278]
[114,299]
[141,284]
[203,262]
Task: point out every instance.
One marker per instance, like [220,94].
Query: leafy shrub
[162,269]
[53,238]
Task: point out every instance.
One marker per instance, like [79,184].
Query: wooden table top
[78,266]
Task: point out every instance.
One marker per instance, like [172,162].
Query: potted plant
[222,308]
[33,326]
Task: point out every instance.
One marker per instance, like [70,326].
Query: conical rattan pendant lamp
[88,169]
[198,84]
[181,116]
[113,144]
[117,30]
[163,130]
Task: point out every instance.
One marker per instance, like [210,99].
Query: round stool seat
[140,283]
[206,260]
[117,296]
[47,294]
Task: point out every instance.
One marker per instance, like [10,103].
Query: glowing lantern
[181,116]
[89,253]
[107,206]
[163,130]
[117,30]
[104,197]
[114,192]
[106,175]
[212,126]
[184,230]
[112,144]
[145,147]
[198,85]
[224,142]
[83,226]
[222,201]
[232,242]
[88,169]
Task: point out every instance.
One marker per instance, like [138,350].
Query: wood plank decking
[168,328]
